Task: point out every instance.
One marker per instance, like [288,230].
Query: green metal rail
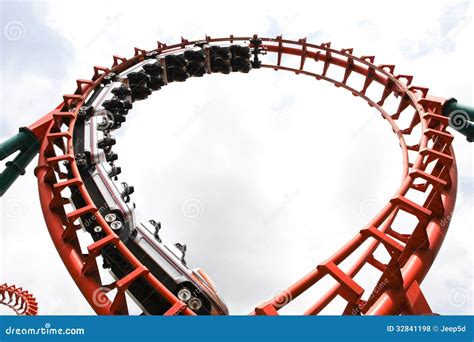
[25,142]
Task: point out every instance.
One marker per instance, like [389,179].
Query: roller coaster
[79,188]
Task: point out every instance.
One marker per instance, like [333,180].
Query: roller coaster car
[106,110]
[192,286]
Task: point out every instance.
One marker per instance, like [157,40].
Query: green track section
[28,146]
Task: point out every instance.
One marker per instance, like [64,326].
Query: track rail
[427,192]
[19,300]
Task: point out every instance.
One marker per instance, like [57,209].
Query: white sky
[284,169]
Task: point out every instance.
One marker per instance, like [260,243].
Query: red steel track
[426,195]
[19,300]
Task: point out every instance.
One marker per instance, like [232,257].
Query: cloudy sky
[263,175]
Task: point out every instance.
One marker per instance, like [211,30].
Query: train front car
[219,307]
[167,262]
